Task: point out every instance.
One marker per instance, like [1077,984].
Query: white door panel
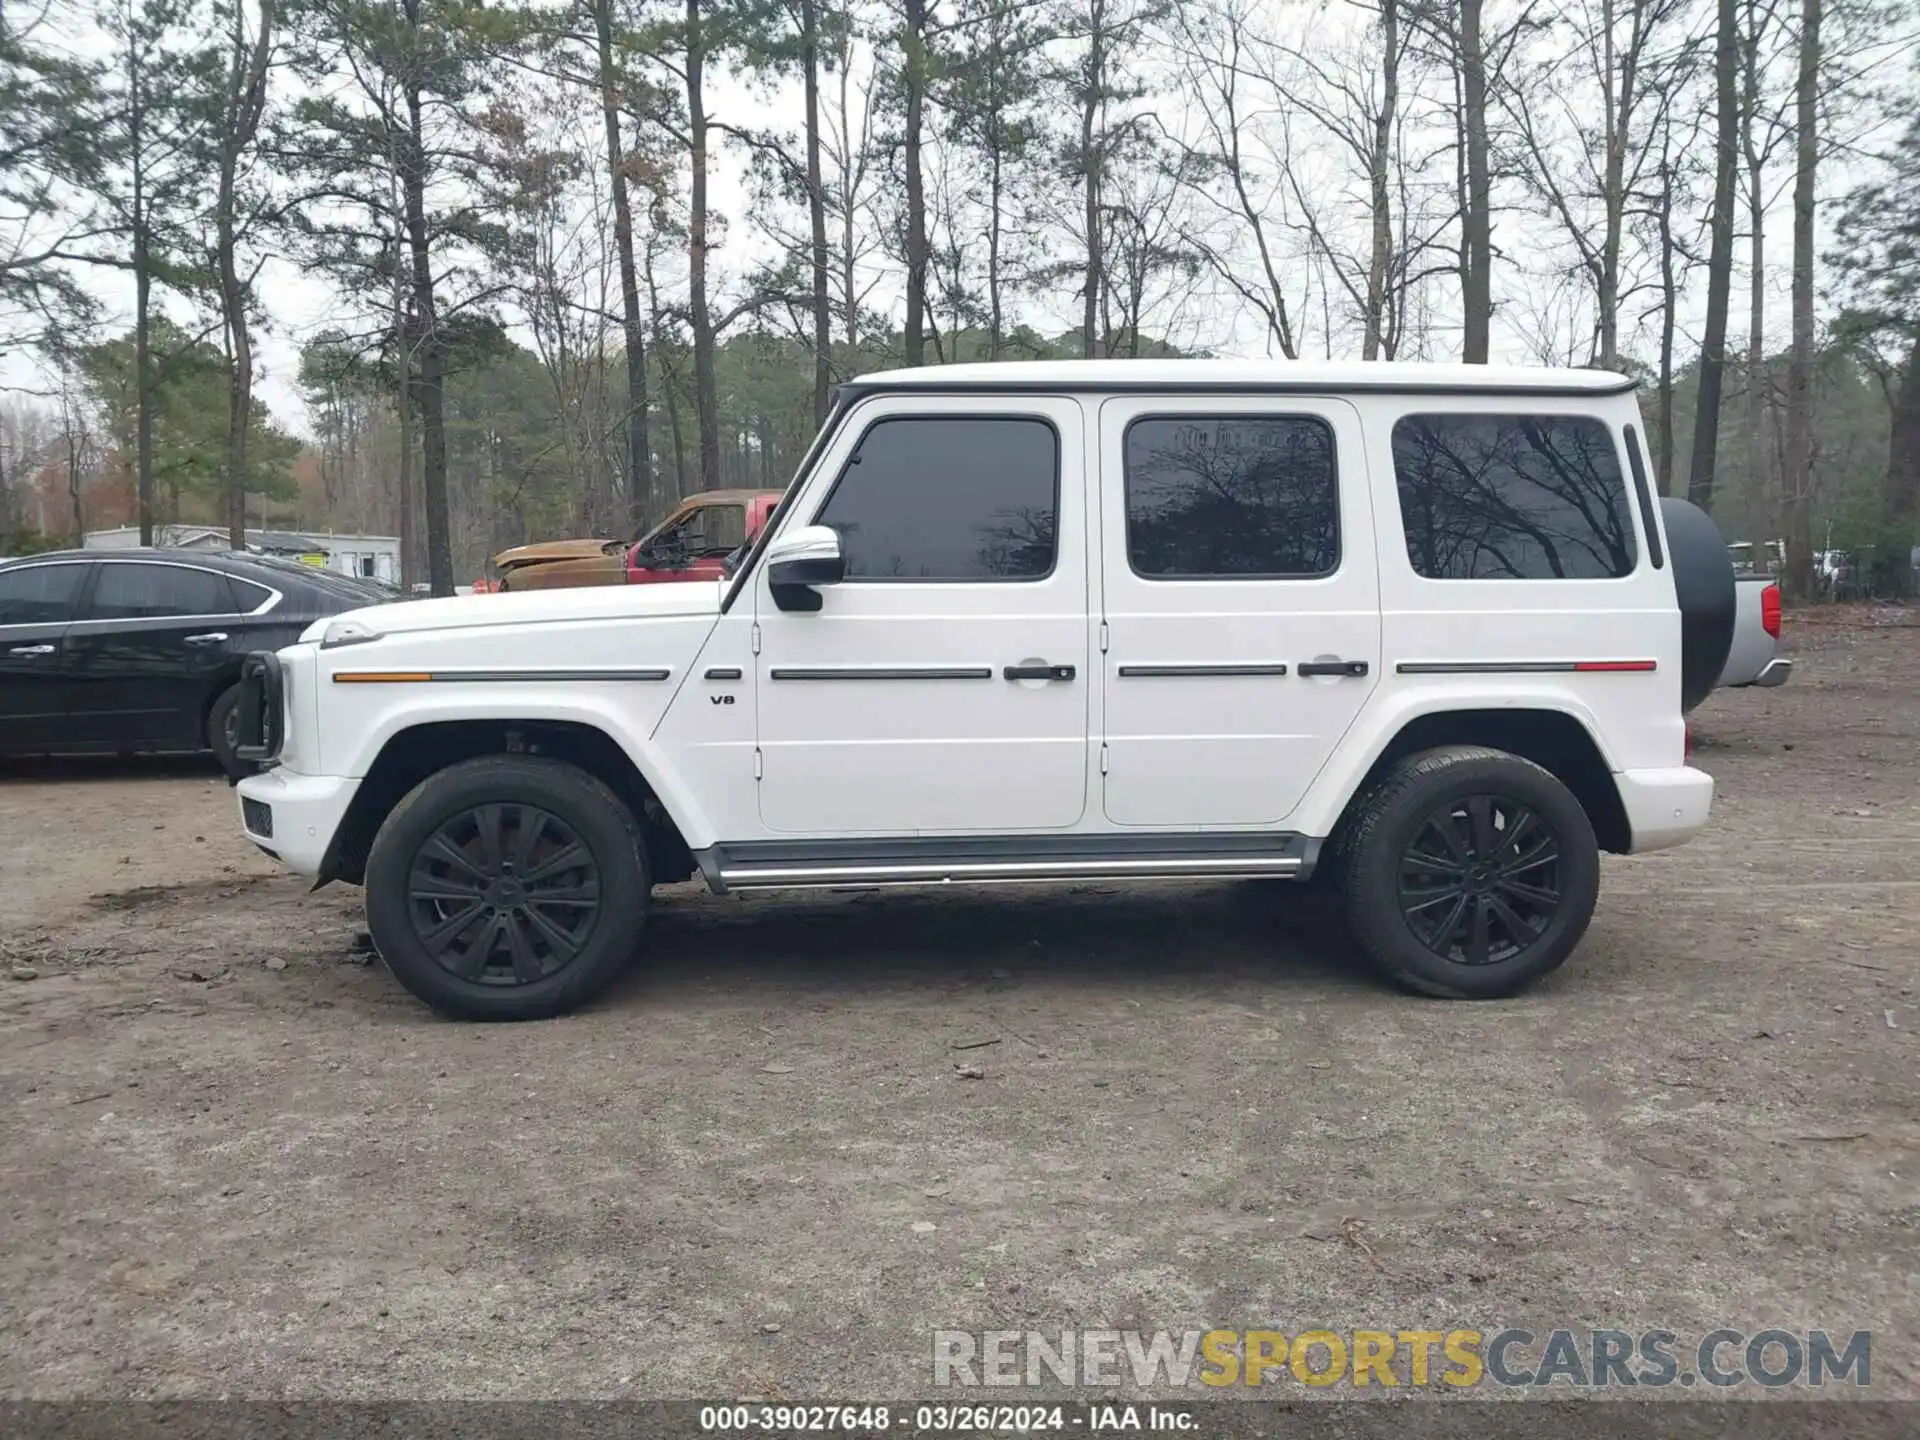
[888,710]
[1234,574]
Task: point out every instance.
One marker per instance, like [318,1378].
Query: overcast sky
[1530,306]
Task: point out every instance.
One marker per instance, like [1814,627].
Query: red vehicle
[694,541]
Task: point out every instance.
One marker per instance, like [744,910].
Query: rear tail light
[1686,751]
[1770,610]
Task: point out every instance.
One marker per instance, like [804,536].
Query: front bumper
[302,812]
[1665,807]
[1775,673]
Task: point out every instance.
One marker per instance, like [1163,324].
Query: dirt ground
[239,1160]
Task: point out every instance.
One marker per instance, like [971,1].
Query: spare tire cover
[1703,584]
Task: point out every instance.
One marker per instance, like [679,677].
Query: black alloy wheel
[504,894]
[1467,872]
[1480,879]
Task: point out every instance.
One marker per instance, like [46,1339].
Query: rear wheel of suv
[507,888]
[1470,873]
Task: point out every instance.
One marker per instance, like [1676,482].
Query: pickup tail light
[1770,610]
[1686,747]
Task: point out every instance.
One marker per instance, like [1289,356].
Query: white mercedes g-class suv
[1420,631]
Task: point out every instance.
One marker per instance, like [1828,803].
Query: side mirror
[800,560]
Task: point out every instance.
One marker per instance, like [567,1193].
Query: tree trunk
[706,398]
[1620,104]
[1713,340]
[233,300]
[429,383]
[1760,512]
[1379,264]
[996,316]
[914,47]
[73,481]
[403,402]
[1476,291]
[1761,517]
[639,452]
[142,294]
[1903,467]
[1090,162]
[849,283]
[246,99]
[817,213]
[1669,306]
[1796,483]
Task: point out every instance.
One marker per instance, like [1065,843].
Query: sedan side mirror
[800,560]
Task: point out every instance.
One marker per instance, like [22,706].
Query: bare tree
[243,102]
[1763,125]
[1241,156]
[1587,177]
[1796,479]
[1713,340]
[613,86]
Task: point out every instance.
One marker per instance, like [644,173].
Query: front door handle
[1352,668]
[33,649]
[1040,671]
[212,637]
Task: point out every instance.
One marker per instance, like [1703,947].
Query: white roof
[1215,374]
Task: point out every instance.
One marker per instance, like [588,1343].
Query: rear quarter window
[1512,497]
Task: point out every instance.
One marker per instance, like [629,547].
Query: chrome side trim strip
[1523,667]
[1169,671]
[936,873]
[884,672]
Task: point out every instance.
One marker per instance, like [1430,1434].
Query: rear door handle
[1353,669]
[212,637]
[33,649]
[1038,672]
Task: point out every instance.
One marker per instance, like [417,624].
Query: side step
[1003,859]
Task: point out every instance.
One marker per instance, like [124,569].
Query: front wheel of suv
[1470,873]
[507,888]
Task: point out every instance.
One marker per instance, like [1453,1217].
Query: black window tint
[146,592]
[1221,496]
[39,594]
[247,596]
[1512,497]
[932,498]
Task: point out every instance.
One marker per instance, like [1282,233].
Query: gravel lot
[240,1160]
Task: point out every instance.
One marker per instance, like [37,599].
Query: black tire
[558,895]
[1429,873]
[221,735]
[1703,588]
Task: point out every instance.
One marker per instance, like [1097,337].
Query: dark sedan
[115,651]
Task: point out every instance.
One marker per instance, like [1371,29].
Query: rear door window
[1512,497]
[1231,497]
[157,592]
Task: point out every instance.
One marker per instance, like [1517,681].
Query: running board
[1002,860]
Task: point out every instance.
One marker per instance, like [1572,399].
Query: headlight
[347,632]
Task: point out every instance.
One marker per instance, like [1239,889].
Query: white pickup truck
[1420,629]
[1754,657]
